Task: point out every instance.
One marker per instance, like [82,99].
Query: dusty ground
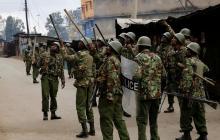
[21,117]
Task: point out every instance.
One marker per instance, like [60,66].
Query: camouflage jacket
[186,82]
[163,51]
[27,55]
[109,76]
[99,57]
[174,72]
[36,58]
[191,83]
[51,65]
[129,52]
[149,74]
[82,68]
[70,51]
[200,68]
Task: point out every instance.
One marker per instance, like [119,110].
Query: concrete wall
[106,11]
[126,7]
[107,26]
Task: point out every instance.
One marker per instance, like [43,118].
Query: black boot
[45,117]
[92,129]
[54,116]
[185,136]
[94,103]
[202,137]
[126,114]
[84,133]
[35,81]
[170,109]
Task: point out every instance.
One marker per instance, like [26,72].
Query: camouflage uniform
[149,74]
[194,87]
[163,51]
[27,59]
[70,51]
[51,67]
[99,56]
[174,72]
[111,111]
[34,66]
[129,53]
[83,74]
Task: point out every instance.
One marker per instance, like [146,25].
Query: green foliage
[59,23]
[12,27]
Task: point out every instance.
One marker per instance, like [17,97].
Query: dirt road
[21,116]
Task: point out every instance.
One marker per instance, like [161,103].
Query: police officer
[193,86]
[163,49]
[175,61]
[35,59]
[149,74]
[51,68]
[70,51]
[129,50]
[99,55]
[122,38]
[84,79]
[27,59]
[110,101]
[187,33]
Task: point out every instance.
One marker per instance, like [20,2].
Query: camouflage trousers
[35,72]
[192,111]
[147,109]
[111,113]
[28,67]
[83,95]
[49,86]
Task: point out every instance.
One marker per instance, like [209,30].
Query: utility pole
[26,14]
[134,15]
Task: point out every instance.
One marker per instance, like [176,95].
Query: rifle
[70,18]
[207,80]
[58,36]
[213,104]
[94,92]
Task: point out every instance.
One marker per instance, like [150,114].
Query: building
[104,12]
[20,42]
[88,22]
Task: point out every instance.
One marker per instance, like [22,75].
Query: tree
[72,31]
[59,23]
[12,27]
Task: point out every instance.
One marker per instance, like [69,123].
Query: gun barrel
[213,104]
